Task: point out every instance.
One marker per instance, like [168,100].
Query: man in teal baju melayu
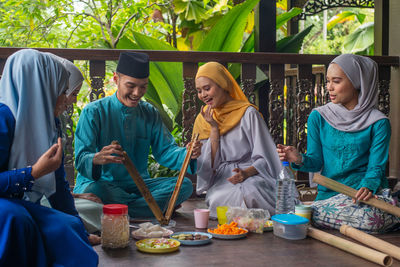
[137,126]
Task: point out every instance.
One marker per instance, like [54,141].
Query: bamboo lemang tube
[351,247]
[174,197]
[348,191]
[371,241]
[135,175]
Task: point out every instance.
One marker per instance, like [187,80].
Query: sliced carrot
[227,229]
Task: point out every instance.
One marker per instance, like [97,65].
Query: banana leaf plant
[165,82]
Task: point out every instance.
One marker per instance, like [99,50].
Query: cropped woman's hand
[363,194]
[239,177]
[288,153]
[196,152]
[106,156]
[49,161]
[88,196]
[208,116]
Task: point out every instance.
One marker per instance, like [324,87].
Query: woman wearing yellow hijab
[239,164]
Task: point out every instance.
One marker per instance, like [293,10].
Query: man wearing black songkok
[137,126]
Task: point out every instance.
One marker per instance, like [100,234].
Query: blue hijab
[30,85]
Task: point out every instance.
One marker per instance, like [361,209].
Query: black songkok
[133,64]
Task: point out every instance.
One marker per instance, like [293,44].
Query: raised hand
[208,116]
[105,156]
[289,153]
[49,161]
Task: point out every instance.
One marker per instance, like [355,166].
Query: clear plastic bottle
[115,226]
[285,190]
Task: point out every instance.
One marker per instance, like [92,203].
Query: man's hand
[49,161]
[106,156]
[88,196]
[196,152]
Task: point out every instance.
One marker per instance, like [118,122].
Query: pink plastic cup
[201,218]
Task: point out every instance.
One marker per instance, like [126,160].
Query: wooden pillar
[265,26]
[394,50]
[381,27]
[293,24]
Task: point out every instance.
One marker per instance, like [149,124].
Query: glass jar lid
[115,209]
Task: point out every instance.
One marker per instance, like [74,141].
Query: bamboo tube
[371,241]
[174,197]
[351,247]
[143,189]
[346,190]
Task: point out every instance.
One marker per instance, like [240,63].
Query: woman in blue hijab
[32,94]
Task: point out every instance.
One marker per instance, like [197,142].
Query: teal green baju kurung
[136,129]
[356,159]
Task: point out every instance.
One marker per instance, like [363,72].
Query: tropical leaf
[191,9]
[166,77]
[361,39]
[227,34]
[285,17]
[293,43]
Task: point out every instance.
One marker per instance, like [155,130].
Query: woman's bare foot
[94,239]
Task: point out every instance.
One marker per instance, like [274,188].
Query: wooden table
[254,250]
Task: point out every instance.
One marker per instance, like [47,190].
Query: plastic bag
[250,219]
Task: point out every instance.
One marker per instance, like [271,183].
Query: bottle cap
[115,209]
[285,163]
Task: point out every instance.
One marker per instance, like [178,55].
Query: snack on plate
[149,230]
[157,243]
[228,229]
[190,237]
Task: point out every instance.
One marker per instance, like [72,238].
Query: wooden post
[265,26]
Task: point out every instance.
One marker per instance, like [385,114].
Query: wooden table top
[254,250]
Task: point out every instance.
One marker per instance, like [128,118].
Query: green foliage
[360,41]
[157,170]
[342,23]
[293,43]
[227,34]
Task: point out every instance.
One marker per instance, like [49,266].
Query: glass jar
[115,226]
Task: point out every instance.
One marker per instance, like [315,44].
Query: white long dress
[248,144]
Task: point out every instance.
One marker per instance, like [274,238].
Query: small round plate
[158,245]
[193,242]
[140,237]
[221,236]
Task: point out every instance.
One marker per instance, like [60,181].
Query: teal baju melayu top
[136,129]
[356,159]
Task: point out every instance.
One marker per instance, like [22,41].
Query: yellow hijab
[228,115]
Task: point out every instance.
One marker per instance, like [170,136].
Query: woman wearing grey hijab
[348,141]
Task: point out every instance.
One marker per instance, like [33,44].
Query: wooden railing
[303,76]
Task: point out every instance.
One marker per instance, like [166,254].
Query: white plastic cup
[201,218]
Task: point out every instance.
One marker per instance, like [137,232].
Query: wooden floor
[254,250]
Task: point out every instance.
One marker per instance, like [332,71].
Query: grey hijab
[363,74]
